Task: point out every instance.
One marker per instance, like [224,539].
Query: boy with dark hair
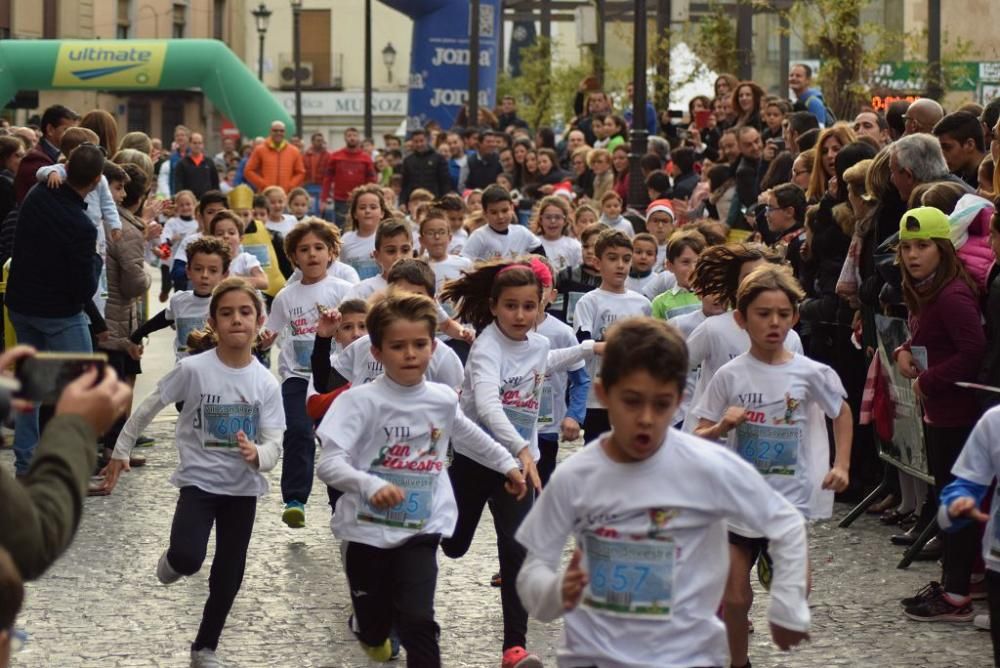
[574,282]
[653,494]
[961,137]
[682,171]
[683,250]
[599,309]
[499,238]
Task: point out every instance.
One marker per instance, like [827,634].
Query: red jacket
[346,170]
[315,163]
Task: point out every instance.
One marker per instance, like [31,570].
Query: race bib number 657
[630,578]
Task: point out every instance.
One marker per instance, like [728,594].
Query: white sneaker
[166,574]
[205,658]
[982,622]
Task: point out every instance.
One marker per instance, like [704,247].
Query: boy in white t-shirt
[454,209]
[765,401]
[294,316]
[435,239]
[385,446]
[499,238]
[643,277]
[647,506]
[599,309]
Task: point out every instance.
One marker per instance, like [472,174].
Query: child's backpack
[970,233]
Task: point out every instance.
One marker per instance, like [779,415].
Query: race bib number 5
[415,509]
[630,578]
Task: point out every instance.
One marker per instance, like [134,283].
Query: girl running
[175,230]
[227,435]
[229,227]
[553,224]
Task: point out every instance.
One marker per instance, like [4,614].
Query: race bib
[771,449]
[220,423]
[415,509]
[523,420]
[365,266]
[995,542]
[630,578]
[184,327]
[302,351]
[259,251]
[546,409]
[572,298]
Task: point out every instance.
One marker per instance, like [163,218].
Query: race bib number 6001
[222,422]
[630,578]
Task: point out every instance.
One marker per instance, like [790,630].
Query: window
[180,20]
[139,116]
[172,115]
[219,19]
[124,22]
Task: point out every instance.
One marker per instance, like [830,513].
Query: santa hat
[564,189]
[660,205]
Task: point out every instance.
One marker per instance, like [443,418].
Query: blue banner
[439,57]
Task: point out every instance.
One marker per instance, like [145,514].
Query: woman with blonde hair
[830,141]
[139,141]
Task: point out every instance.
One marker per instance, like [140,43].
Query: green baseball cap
[924,222]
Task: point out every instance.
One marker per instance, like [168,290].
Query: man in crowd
[275,163]
[508,114]
[484,164]
[315,161]
[424,168]
[228,156]
[458,161]
[346,169]
[871,124]
[748,169]
[55,121]
[597,102]
[195,172]
[922,115]
[916,159]
[650,110]
[574,140]
[794,126]
[961,137]
[807,98]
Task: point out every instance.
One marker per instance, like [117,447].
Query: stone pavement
[101,605]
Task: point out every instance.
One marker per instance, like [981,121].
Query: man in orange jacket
[275,163]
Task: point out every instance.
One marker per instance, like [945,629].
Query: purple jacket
[951,328]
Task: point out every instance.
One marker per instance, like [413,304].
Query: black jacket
[426,170]
[55,265]
[483,170]
[199,179]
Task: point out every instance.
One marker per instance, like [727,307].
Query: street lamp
[368,68]
[389,59]
[261,16]
[638,196]
[297,57]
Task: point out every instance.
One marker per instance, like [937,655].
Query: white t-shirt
[487,244]
[778,436]
[356,364]
[595,313]
[284,226]
[563,252]
[294,315]
[652,285]
[188,312]
[243,264]
[356,252]
[685,324]
[448,269]
[338,270]
[367,287]
[715,342]
[220,401]
[979,462]
[552,407]
[180,251]
[458,240]
[503,386]
[175,230]
[621,223]
[654,532]
[381,433]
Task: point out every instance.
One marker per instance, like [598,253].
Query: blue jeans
[299,446]
[70,335]
[341,209]
[314,190]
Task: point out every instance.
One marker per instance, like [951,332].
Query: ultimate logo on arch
[92,64]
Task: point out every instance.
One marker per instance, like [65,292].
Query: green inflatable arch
[137,65]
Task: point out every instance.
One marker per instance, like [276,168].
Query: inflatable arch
[171,64]
[439,57]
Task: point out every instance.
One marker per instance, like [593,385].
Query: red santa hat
[660,205]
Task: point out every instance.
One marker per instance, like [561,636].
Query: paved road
[102,606]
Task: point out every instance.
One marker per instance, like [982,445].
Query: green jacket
[39,514]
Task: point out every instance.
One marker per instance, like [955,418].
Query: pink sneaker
[518,657]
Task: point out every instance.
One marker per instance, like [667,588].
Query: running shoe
[518,657]
[982,622]
[165,572]
[929,591]
[496,580]
[144,442]
[387,651]
[205,658]
[939,609]
[294,514]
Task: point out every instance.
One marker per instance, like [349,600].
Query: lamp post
[368,68]
[472,118]
[388,59]
[297,57]
[637,194]
[261,16]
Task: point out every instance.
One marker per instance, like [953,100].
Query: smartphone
[701,118]
[44,376]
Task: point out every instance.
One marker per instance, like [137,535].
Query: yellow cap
[924,222]
[241,197]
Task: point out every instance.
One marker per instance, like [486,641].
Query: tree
[545,89]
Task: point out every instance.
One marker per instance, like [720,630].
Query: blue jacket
[650,118]
[812,98]
[55,264]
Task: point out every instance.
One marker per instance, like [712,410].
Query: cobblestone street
[101,605]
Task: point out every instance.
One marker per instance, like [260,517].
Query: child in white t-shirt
[611,214]
[647,507]
[686,323]
[719,271]
[175,230]
[188,310]
[279,224]
[367,210]
[643,277]
[228,434]
[211,203]
[504,378]
[454,208]
[499,238]
[660,223]
[553,224]
[385,446]
[435,239]
[294,315]
[229,227]
[599,309]
[765,402]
